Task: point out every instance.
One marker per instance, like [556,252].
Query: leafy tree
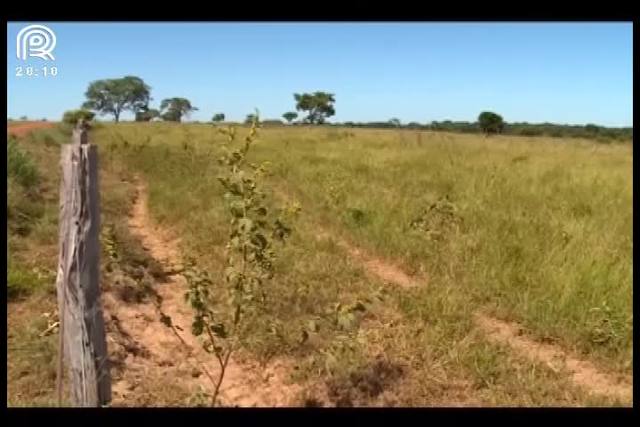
[72,116]
[591,128]
[318,105]
[113,96]
[290,116]
[490,122]
[147,115]
[395,122]
[174,108]
[250,119]
[219,117]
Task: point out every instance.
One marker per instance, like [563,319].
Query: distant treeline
[518,128]
[523,129]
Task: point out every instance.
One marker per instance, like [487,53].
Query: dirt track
[581,372]
[161,353]
[246,383]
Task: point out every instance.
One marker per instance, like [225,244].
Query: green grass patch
[534,230]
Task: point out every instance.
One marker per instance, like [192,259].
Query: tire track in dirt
[457,393]
[246,384]
[375,266]
[378,267]
[581,372]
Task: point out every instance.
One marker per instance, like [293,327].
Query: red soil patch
[23,128]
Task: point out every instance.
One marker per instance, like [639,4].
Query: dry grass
[531,230]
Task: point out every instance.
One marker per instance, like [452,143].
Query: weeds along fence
[82,346]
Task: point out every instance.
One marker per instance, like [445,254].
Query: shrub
[272,122]
[19,165]
[22,282]
[490,122]
[72,116]
[147,115]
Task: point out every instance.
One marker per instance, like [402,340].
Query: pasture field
[433,236]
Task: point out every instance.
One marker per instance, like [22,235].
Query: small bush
[357,217]
[271,123]
[22,282]
[23,209]
[530,132]
[20,166]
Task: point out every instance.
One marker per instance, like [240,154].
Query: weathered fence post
[82,333]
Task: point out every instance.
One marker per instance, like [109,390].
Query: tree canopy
[290,116]
[318,105]
[395,122]
[250,118]
[490,122]
[72,116]
[173,109]
[147,114]
[113,96]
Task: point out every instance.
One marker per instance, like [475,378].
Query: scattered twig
[49,329]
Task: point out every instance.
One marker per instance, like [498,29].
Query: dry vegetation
[404,238]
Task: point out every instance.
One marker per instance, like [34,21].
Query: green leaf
[260,241]
[219,330]
[166,320]
[197,326]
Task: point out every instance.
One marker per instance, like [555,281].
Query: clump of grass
[22,281]
[32,210]
[20,166]
[31,358]
[24,207]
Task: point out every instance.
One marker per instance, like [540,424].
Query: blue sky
[536,72]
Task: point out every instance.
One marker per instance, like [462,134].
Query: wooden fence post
[82,333]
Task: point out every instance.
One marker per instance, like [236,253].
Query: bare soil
[582,372]
[143,347]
